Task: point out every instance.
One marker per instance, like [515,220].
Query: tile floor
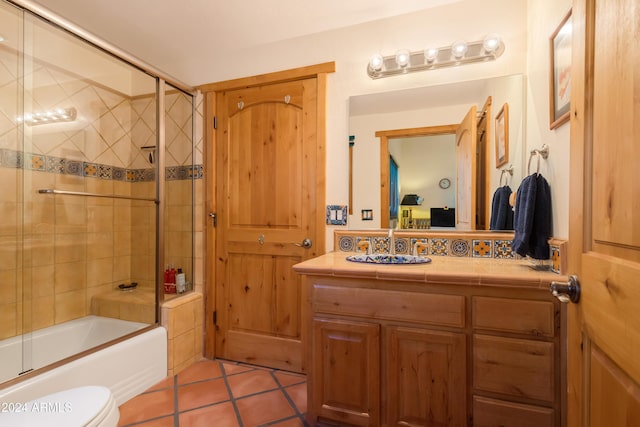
[218,393]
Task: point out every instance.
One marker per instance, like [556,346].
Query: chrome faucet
[392,242]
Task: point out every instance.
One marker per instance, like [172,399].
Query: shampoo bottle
[180,281]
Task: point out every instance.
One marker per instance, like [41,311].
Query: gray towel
[532,218]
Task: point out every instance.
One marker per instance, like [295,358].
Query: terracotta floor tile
[147,406]
[203,370]
[160,422]
[202,393]
[251,382]
[289,378]
[264,408]
[203,398]
[220,415]
[165,383]
[232,368]
[294,422]
[298,393]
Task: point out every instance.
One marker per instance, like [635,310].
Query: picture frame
[502,135]
[560,73]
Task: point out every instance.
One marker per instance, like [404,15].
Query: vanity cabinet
[385,352]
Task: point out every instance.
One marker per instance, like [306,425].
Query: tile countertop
[441,270]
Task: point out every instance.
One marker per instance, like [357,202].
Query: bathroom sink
[389,259]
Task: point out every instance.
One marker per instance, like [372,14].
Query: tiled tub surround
[183,318]
[480,245]
[56,251]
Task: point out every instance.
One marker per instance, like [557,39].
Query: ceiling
[176,35]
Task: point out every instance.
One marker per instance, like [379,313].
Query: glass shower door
[11,195]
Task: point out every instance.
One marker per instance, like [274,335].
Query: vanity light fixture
[431,58]
[403,57]
[56,115]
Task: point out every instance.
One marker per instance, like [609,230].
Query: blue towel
[501,211]
[532,218]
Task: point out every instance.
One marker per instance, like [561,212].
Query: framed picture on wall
[502,136]
[560,73]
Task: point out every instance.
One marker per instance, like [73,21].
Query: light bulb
[376,61]
[458,49]
[403,57]
[491,43]
[430,54]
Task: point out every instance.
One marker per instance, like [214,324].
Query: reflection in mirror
[441,106]
[426,160]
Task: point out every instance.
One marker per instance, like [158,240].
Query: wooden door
[466,140]
[346,372]
[267,160]
[604,237]
[426,377]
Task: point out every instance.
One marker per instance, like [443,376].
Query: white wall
[351,48]
[543,18]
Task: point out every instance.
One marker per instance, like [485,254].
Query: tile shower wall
[57,252]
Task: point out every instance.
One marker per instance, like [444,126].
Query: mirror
[433,107]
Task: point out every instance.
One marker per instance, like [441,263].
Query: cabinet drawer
[515,367]
[434,309]
[514,315]
[491,412]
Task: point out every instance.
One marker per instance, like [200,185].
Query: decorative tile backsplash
[478,245]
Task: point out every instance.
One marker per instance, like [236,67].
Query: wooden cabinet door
[426,377]
[604,237]
[346,372]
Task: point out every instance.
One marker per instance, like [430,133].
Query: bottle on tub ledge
[181,283]
[170,280]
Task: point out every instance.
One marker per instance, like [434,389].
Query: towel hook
[542,152]
[509,171]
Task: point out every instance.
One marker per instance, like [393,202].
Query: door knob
[306,243]
[566,291]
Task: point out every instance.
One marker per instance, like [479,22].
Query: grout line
[176,410]
[289,399]
[233,400]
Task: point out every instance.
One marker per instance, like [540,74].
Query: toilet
[88,406]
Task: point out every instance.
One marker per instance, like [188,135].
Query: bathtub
[128,367]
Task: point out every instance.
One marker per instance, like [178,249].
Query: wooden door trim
[384,136]
[209,229]
[579,116]
[300,73]
[319,72]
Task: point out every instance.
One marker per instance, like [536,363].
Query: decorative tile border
[57,165]
[558,255]
[473,245]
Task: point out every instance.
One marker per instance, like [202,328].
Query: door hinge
[215,317]
[215,122]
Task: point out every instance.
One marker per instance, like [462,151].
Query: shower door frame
[162,81]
